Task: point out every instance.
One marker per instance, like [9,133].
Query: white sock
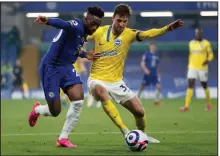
[125,132]
[26,95]
[157,98]
[90,100]
[72,117]
[98,104]
[43,110]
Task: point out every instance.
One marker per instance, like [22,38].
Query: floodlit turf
[180,133]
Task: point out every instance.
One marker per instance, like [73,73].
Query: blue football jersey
[151,61]
[67,43]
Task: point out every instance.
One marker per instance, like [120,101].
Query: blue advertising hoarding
[173,69]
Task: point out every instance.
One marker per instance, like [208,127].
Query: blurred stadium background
[20,37]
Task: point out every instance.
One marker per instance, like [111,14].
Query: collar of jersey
[198,40]
[108,33]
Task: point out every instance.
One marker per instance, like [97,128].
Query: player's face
[18,62]
[119,23]
[198,34]
[92,23]
[153,48]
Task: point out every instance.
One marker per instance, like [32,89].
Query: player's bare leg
[53,108]
[110,109]
[140,90]
[135,107]
[75,94]
[189,94]
[158,92]
[64,99]
[206,89]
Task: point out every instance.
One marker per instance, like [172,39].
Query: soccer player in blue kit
[57,71]
[149,64]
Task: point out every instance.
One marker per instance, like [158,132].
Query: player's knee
[204,84]
[101,93]
[191,83]
[191,86]
[76,97]
[55,113]
[142,86]
[139,114]
[159,87]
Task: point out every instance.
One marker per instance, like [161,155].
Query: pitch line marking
[94,133]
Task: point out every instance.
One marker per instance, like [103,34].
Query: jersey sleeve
[90,37]
[189,46]
[134,34]
[143,35]
[138,35]
[209,51]
[71,25]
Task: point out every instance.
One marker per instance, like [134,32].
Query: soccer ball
[136,140]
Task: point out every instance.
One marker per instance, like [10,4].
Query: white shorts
[118,91]
[201,75]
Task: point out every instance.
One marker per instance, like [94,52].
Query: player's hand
[41,20]
[176,24]
[205,62]
[92,56]
[147,72]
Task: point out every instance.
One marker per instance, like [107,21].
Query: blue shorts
[151,79]
[55,77]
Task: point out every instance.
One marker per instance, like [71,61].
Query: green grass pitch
[180,133]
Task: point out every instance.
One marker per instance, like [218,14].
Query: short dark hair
[199,28]
[123,10]
[96,11]
[152,43]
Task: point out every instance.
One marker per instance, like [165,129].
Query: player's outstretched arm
[55,22]
[158,32]
[90,55]
[174,25]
